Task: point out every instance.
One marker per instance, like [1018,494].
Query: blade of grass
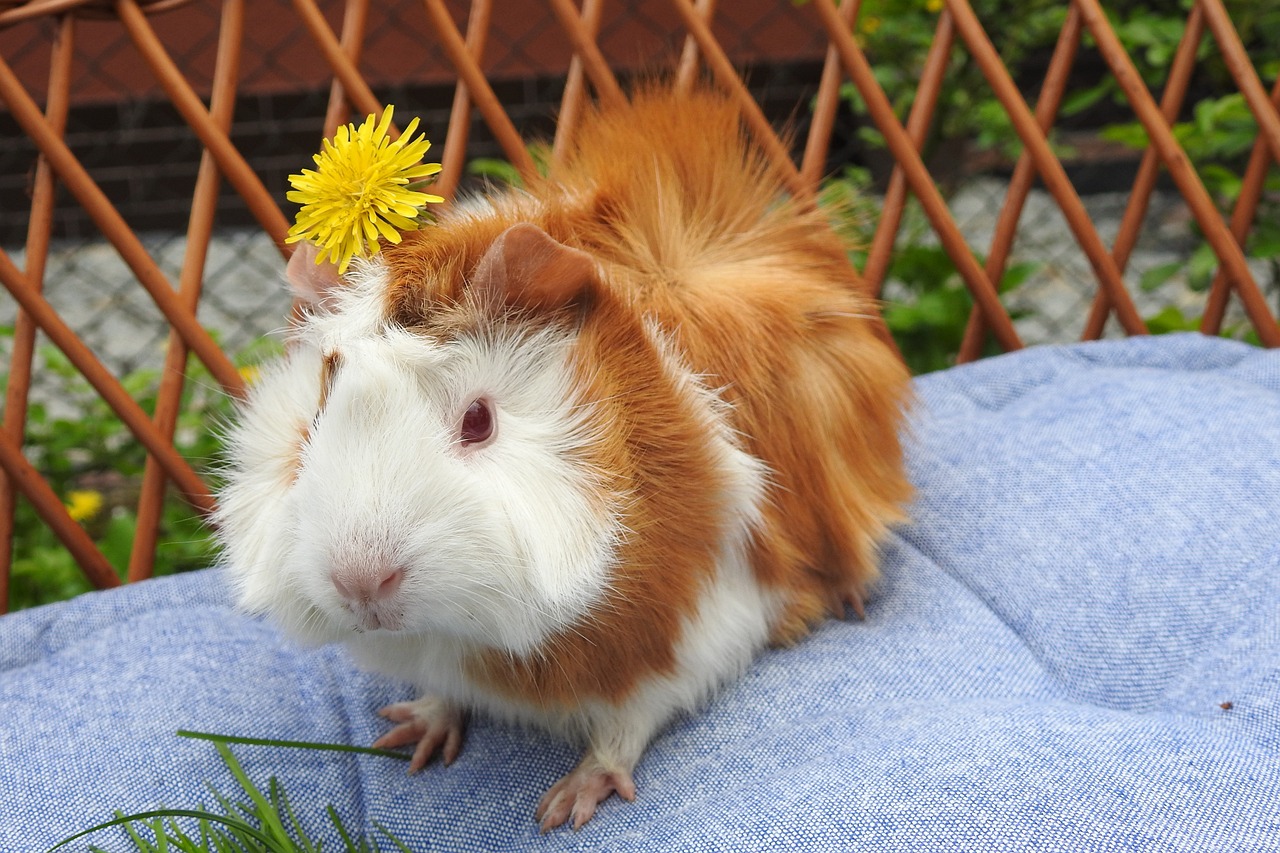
[141,843]
[396,841]
[282,804]
[294,744]
[124,820]
[270,820]
[342,830]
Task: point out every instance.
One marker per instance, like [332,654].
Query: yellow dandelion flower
[84,505]
[933,5]
[363,189]
[249,374]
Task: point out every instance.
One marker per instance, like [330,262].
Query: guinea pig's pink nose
[367,583]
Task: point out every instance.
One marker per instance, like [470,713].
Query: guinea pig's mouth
[374,619]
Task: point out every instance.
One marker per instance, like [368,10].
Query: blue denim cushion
[1076,646]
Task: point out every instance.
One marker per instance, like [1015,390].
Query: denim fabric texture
[1075,647]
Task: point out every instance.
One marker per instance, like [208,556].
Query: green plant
[94,463]
[1217,136]
[897,35]
[1216,131]
[926,305]
[264,823]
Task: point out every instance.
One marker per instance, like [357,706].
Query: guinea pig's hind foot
[435,724]
[576,796]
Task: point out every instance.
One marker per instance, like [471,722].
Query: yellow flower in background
[83,505]
[249,374]
[869,24]
[363,188]
[934,5]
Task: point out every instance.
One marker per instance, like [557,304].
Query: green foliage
[84,451]
[503,172]
[1217,132]
[265,822]
[897,35]
[926,304]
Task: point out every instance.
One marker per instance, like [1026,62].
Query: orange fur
[690,227]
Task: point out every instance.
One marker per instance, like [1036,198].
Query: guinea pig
[574,453]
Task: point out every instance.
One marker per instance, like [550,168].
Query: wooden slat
[918,122]
[107,386]
[204,203]
[115,229]
[1047,164]
[39,228]
[355,89]
[725,74]
[1175,92]
[1242,217]
[575,93]
[1181,170]
[1024,175]
[354,20]
[454,158]
[478,87]
[818,142]
[917,176]
[215,139]
[588,52]
[690,61]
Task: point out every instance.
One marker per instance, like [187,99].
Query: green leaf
[400,845]
[1079,101]
[1158,275]
[495,169]
[270,819]
[1170,319]
[293,744]
[239,825]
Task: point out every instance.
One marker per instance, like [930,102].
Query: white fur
[502,545]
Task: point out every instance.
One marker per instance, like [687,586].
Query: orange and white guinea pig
[573,454]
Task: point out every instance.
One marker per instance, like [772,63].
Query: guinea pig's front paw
[577,794]
[434,723]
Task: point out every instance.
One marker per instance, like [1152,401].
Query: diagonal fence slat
[923,106]
[39,230]
[727,76]
[1049,166]
[215,139]
[491,109]
[354,22]
[822,123]
[1180,169]
[1242,219]
[107,386]
[588,52]
[572,101]
[204,201]
[918,177]
[1024,174]
[1144,184]
[453,161]
[114,228]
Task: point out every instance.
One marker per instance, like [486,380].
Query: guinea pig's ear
[526,267]
[310,282]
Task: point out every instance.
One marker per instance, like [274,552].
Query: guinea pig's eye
[477,423]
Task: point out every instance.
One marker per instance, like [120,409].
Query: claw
[575,797]
[435,725]
[853,599]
